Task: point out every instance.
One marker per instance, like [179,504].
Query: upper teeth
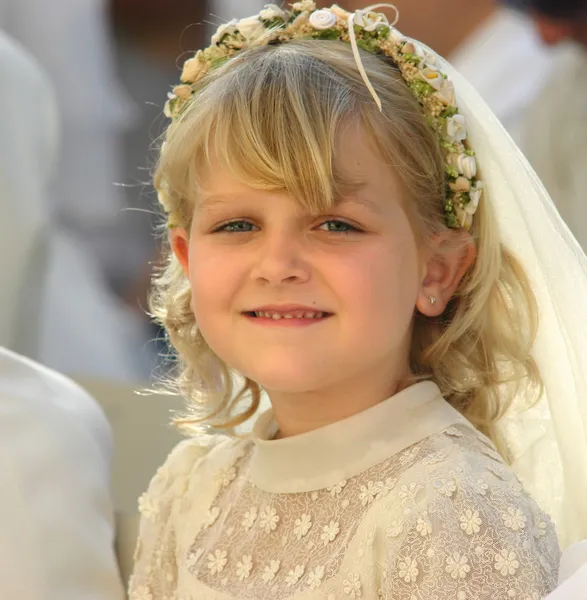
[298,314]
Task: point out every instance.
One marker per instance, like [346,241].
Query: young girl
[368,250]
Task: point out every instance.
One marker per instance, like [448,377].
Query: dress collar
[325,456]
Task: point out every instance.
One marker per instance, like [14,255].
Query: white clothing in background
[54,304]
[28,139]
[70,40]
[56,518]
[506,63]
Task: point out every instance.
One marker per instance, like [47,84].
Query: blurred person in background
[555,132]
[56,516]
[56,526]
[495,48]
[60,291]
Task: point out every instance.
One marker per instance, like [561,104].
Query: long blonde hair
[272,116]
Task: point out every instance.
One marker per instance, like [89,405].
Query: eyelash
[225,227]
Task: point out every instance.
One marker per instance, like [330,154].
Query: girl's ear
[449,256]
[180,244]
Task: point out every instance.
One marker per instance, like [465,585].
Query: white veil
[549,441]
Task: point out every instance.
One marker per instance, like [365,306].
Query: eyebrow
[369,203]
[211,201]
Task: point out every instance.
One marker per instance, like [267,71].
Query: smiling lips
[291,314]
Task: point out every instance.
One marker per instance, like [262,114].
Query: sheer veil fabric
[548,442]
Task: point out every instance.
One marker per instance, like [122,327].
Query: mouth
[288,315]
[276,316]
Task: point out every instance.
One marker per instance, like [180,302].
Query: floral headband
[367,30]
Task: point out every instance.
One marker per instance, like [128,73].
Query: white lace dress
[404,501]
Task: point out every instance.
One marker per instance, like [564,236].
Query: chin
[290,380]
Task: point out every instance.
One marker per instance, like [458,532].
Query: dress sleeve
[466,538]
[154,574]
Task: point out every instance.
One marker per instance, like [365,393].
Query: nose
[281,259]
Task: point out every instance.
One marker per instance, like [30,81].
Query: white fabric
[506,63]
[404,500]
[548,442]
[28,137]
[555,137]
[55,510]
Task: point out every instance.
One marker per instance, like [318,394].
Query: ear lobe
[180,244]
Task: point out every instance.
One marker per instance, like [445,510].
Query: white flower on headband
[433,77]
[455,129]
[323,19]
[395,36]
[370,21]
[272,11]
[228,28]
[464,163]
[304,5]
[460,184]
[446,93]
[341,13]
[193,68]
[475,194]
[464,219]
[251,28]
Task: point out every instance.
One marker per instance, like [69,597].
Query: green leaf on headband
[371,45]
[326,34]
[449,111]
[218,62]
[412,58]
[451,171]
[421,89]
[383,32]
[451,220]
[273,23]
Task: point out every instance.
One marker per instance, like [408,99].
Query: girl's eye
[235,227]
[336,226]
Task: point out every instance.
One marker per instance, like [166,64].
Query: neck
[306,411]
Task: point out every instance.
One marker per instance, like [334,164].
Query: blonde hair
[478,352]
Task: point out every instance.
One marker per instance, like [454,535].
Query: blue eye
[337,226]
[235,227]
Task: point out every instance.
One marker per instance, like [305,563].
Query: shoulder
[466,528]
[191,459]
[461,467]
[49,407]
[463,507]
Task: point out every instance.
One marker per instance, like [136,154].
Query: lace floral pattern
[444,519]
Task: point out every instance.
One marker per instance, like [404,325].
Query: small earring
[432,300]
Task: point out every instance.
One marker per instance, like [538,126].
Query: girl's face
[301,302]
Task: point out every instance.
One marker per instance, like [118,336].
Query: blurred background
[78,210]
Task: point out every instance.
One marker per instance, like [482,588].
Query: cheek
[384,286]
[212,277]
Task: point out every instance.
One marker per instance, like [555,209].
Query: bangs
[272,118]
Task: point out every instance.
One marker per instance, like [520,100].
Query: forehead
[359,173]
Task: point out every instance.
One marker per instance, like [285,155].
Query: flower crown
[370,31]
